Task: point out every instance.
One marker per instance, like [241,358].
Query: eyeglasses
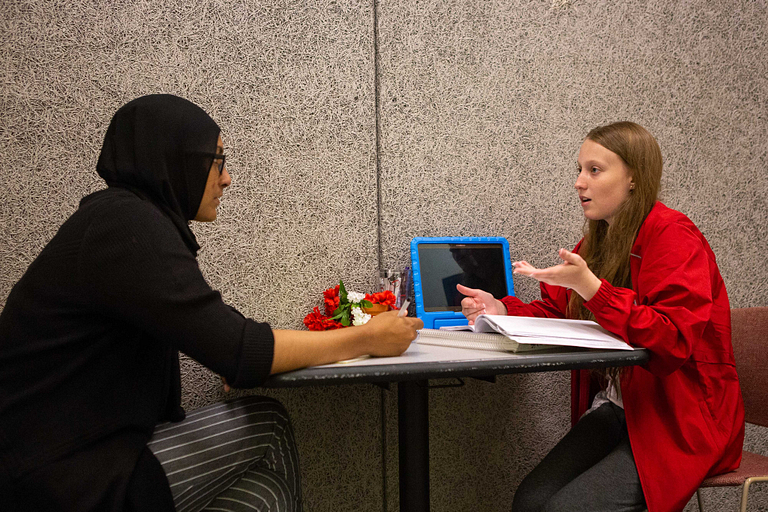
[215,156]
[221,164]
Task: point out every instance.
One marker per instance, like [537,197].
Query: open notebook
[518,334]
[475,340]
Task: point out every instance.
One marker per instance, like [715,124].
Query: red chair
[750,341]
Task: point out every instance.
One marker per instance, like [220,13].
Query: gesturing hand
[478,302]
[572,273]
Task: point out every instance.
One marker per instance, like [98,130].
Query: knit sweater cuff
[256,355]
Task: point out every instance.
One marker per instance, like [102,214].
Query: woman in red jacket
[646,273]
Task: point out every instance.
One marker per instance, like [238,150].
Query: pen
[404,308]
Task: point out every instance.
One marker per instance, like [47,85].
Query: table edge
[320,376]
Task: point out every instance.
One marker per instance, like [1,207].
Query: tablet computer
[440,263]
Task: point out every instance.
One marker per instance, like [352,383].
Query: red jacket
[685,415]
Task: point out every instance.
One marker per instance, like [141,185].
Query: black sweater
[89,339]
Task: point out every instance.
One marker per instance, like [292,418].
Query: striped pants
[238,455]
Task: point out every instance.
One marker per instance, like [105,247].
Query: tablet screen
[443,266]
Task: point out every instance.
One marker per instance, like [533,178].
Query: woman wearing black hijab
[89,342]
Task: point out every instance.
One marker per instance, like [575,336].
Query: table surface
[423,362]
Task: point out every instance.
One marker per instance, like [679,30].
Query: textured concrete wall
[291,84]
[482,107]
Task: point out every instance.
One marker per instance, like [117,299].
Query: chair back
[749,334]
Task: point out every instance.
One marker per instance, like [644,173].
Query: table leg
[413,434]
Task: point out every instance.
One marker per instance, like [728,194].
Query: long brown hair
[606,248]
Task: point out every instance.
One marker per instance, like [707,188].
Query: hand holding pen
[391,333]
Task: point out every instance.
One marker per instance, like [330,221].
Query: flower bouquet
[343,308]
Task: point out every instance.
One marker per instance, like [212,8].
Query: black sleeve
[140,273]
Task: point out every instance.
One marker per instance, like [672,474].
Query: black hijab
[159,147]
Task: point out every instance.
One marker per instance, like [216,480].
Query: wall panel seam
[377,128]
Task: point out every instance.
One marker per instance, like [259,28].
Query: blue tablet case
[439,263]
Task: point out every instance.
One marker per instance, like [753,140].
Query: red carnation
[331,300]
[316,321]
[386,297]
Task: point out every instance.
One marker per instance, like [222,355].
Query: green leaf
[366,303]
[342,292]
[345,319]
[340,311]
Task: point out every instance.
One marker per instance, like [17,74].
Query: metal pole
[413,433]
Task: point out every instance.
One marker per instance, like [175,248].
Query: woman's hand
[572,273]
[384,335]
[478,302]
[389,334]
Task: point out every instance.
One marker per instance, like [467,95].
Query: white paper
[546,331]
[418,353]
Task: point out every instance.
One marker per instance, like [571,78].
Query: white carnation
[355,297]
[358,317]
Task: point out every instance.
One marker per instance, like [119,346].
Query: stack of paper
[545,331]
